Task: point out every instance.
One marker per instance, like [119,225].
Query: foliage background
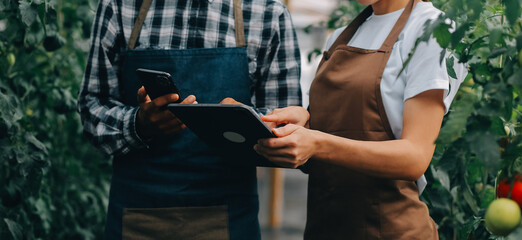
[54,185]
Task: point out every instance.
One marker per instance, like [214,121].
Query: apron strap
[348,33]
[238,21]
[387,45]
[144,9]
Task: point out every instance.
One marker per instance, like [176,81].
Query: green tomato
[502,216]
[11,59]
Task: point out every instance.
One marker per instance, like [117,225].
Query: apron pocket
[198,223]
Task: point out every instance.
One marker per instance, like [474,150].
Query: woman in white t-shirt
[369,134]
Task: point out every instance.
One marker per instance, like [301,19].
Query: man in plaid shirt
[162,173]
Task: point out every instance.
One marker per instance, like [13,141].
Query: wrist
[318,140]
[141,126]
[130,128]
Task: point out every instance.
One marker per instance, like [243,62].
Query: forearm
[110,127]
[407,158]
[396,159]
[108,123]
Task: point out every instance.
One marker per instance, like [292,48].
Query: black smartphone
[157,83]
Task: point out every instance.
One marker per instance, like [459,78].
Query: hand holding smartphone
[151,116]
[157,83]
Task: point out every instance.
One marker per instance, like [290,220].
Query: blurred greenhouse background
[54,184]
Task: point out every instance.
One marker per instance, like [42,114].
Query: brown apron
[175,223]
[345,100]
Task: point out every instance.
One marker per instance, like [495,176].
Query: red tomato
[504,186]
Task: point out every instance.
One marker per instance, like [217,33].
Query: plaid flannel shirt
[272,49]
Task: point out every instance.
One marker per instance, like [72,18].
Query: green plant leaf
[308,28]
[519,41]
[516,78]
[442,34]
[44,213]
[36,143]
[497,98]
[497,126]
[497,52]
[495,36]
[457,36]
[316,52]
[455,126]
[485,147]
[449,67]
[28,13]
[517,164]
[512,9]
[470,200]
[488,197]
[477,6]
[442,177]
[34,35]
[14,229]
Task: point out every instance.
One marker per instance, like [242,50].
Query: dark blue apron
[179,188]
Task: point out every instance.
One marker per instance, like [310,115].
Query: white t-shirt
[424,71]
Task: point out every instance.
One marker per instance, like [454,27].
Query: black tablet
[232,130]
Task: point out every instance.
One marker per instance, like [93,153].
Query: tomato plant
[511,189]
[53,184]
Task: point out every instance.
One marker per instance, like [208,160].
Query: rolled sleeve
[107,122]
[130,133]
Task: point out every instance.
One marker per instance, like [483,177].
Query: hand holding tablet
[233,130]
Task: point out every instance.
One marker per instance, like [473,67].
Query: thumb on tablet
[229,100]
[286,130]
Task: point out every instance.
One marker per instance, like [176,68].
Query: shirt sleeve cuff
[428,85]
[129,130]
